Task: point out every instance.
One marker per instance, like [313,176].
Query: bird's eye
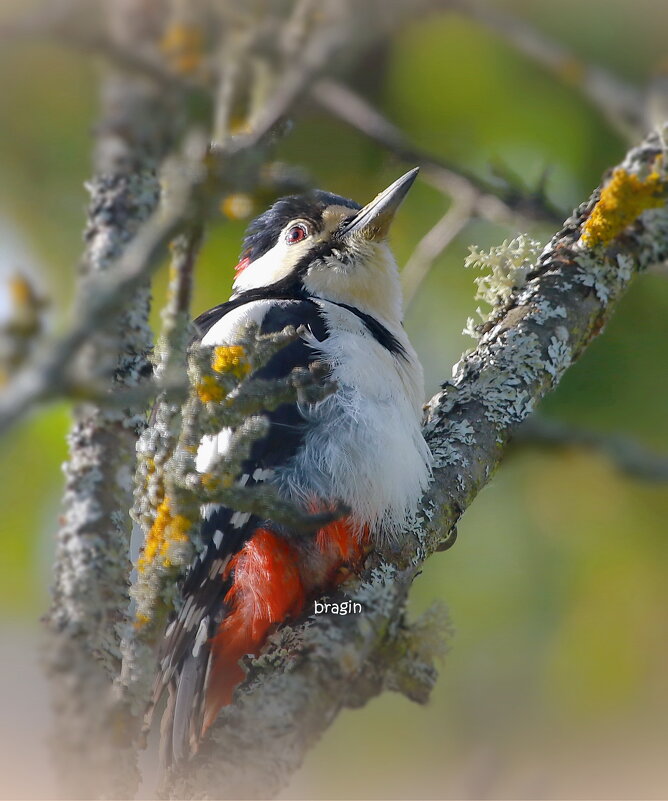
[296,233]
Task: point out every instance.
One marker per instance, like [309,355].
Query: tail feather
[185,653]
[186,725]
[231,609]
[166,725]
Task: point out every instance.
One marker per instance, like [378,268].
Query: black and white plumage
[321,262]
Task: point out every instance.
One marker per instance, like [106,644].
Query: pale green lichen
[506,267]
[453,434]
[377,592]
[544,311]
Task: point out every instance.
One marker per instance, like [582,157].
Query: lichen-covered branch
[540,325]
[92,558]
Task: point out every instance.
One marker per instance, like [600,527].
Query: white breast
[365,446]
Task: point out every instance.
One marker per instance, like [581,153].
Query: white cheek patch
[276,264]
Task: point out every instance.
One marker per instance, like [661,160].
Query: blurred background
[555,683]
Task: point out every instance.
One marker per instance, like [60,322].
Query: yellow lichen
[183,47]
[226,359]
[208,390]
[212,482]
[240,124]
[167,529]
[230,359]
[622,201]
[208,480]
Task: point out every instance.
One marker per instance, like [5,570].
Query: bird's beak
[374,220]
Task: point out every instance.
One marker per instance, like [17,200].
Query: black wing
[184,655]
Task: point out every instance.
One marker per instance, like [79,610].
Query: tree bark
[90,590]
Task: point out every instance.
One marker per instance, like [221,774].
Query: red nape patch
[267,589]
[342,545]
[242,265]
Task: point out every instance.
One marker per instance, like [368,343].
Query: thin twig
[317,53]
[105,294]
[497,203]
[433,243]
[625,453]
[622,104]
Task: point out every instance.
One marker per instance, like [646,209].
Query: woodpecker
[321,262]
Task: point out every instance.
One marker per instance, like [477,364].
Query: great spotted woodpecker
[322,262]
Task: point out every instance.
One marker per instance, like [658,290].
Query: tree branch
[311,671]
[105,292]
[112,338]
[497,203]
[432,245]
[622,104]
[628,456]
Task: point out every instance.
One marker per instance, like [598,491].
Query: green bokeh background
[555,684]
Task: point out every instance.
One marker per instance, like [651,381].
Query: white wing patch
[211,448]
[226,331]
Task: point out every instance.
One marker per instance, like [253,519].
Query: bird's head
[326,246]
